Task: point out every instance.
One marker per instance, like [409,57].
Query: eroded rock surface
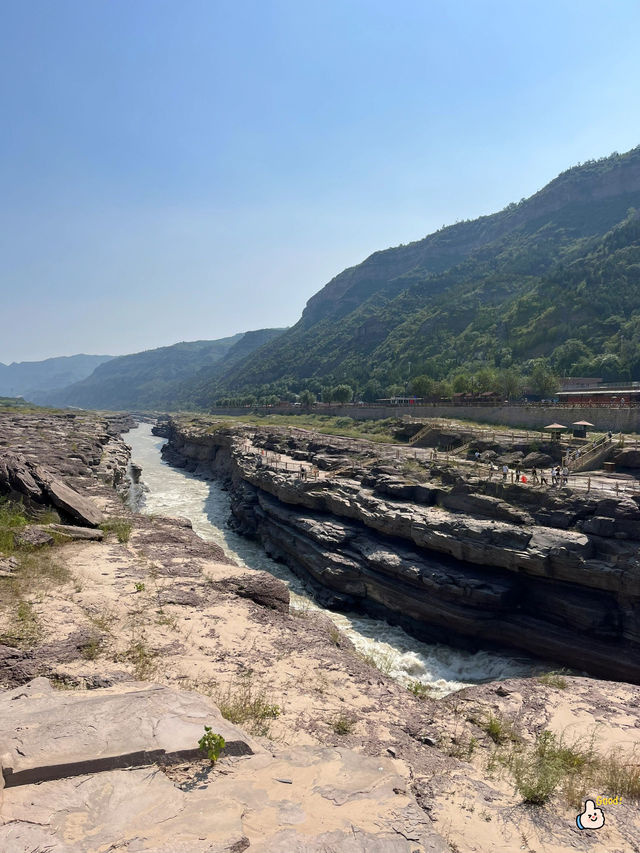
[450,556]
[63,756]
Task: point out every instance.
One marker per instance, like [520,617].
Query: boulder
[19,476]
[537,460]
[33,535]
[83,534]
[69,501]
[260,587]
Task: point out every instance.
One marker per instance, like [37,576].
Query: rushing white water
[173,492]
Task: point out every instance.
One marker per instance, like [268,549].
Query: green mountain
[167,377]
[29,378]
[552,280]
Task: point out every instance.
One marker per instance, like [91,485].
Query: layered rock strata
[449,556]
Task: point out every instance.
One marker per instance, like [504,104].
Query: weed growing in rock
[166,619]
[33,573]
[461,747]
[139,587]
[419,689]
[343,724]
[120,526]
[382,661]
[552,765]
[103,620]
[539,770]
[552,679]
[212,744]
[244,704]
[500,731]
[91,648]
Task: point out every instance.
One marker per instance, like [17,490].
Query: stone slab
[48,734]
[86,534]
[333,801]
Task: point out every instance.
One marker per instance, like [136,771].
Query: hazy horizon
[178,173]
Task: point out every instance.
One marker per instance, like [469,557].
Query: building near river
[618,395]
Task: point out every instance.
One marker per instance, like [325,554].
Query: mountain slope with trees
[548,284]
[167,377]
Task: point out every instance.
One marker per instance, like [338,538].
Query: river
[441,668]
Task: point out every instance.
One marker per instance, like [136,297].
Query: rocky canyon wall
[450,557]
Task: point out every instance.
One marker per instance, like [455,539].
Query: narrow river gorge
[173,492]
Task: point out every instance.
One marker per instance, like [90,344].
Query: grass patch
[103,620]
[553,766]
[540,770]
[420,690]
[120,526]
[552,679]
[500,731]
[34,574]
[140,655]
[382,661]
[244,704]
[461,748]
[343,724]
[91,649]
[12,519]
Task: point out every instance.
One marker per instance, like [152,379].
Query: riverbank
[384,766]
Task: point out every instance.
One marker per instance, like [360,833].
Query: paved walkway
[596,482]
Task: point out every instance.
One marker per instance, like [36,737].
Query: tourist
[505,471]
[543,479]
[517,473]
[565,475]
[553,476]
[534,474]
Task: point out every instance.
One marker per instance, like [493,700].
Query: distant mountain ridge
[493,292]
[166,377]
[25,378]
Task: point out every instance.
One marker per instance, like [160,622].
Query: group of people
[559,475]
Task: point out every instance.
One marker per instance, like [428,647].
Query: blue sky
[190,169]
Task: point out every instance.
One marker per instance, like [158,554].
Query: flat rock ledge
[119,768]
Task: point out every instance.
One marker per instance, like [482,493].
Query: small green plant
[382,661]
[343,724]
[552,679]
[139,587]
[462,748]
[140,656]
[120,526]
[500,731]
[91,649]
[419,689]
[212,744]
[538,772]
